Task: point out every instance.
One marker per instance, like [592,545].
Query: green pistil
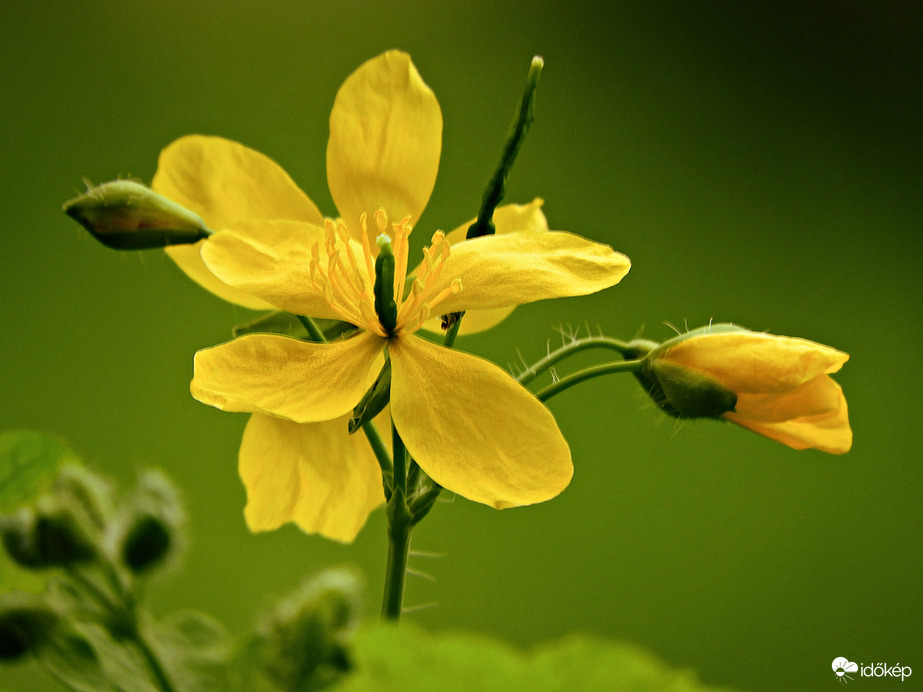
[385,306]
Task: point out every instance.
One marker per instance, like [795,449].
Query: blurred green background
[760,163]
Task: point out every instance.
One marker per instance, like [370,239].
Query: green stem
[400,527]
[125,615]
[588,374]
[152,661]
[313,330]
[570,349]
[398,548]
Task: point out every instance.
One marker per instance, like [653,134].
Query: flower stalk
[496,188]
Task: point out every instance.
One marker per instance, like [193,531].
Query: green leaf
[194,649]
[70,658]
[29,461]
[406,659]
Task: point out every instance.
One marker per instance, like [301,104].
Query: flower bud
[49,536]
[152,524]
[24,621]
[684,393]
[304,641]
[125,215]
[777,386]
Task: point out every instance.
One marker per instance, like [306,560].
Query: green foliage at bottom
[406,659]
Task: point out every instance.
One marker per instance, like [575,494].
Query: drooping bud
[385,307]
[126,215]
[25,619]
[305,639]
[152,525]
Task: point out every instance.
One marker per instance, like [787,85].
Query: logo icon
[841,667]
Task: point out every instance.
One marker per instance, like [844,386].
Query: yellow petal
[385,140]
[304,382]
[815,397]
[754,362]
[225,182]
[829,432]
[270,260]
[313,474]
[505,270]
[473,428]
[510,218]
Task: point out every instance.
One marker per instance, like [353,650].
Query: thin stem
[378,447]
[153,662]
[588,374]
[125,615]
[570,349]
[313,330]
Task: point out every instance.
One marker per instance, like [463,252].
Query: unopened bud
[305,640]
[125,215]
[25,620]
[684,393]
[50,536]
[679,390]
[152,526]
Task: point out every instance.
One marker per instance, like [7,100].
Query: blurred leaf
[194,648]
[28,463]
[407,659]
[71,659]
[122,664]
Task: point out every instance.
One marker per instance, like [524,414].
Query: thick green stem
[400,526]
[399,530]
[588,374]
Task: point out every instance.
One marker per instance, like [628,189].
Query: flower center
[344,271]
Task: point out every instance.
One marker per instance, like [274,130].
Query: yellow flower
[466,422]
[777,386]
[383,151]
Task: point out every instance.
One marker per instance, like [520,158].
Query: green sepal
[373,401]
[126,215]
[685,393]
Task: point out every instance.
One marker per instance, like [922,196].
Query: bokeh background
[760,163]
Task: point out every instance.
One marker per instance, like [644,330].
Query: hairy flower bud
[152,524]
[24,621]
[305,639]
[49,536]
[125,215]
[777,386]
